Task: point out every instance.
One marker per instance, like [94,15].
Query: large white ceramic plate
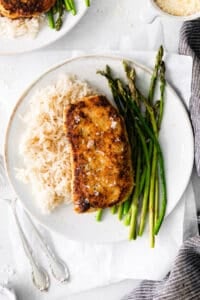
[45,37]
[176,139]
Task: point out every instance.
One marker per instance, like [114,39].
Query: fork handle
[39,275]
[58,268]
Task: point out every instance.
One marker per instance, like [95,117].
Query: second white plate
[45,37]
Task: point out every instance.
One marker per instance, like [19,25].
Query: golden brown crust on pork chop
[101,160]
[14,9]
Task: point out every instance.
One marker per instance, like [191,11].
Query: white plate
[45,36]
[176,139]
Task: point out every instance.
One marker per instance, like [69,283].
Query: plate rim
[48,43]
[57,66]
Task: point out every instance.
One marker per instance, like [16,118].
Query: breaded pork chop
[14,9]
[101,160]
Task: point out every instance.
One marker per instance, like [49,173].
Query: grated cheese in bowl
[44,146]
[179,7]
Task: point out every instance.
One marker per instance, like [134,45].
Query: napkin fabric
[190,45]
[183,281]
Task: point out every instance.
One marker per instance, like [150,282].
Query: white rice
[20,27]
[44,146]
[179,7]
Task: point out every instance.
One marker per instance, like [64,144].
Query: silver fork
[58,267]
[40,277]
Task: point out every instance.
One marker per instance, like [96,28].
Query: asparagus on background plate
[56,13]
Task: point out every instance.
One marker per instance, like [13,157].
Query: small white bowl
[153,11]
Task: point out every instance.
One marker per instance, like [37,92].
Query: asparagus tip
[161,51]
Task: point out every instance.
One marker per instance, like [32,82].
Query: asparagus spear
[152,199]
[120,211]
[73,7]
[155,74]
[156,198]
[162,91]
[160,116]
[113,209]
[50,18]
[164,197]
[160,161]
[142,180]
[99,214]
[127,219]
[131,75]
[60,9]
[67,5]
[147,183]
[153,179]
[87,2]
[154,202]
[135,200]
[127,205]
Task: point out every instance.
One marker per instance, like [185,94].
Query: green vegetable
[127,220]
[120,211]
[67,5]
[57,12]
[73,7]
[154,77]
[114,209]
[87,3]
[99,215]
[143,121]
[50,18]
[127,205]
[135,199]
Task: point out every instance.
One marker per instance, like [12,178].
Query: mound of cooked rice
[20,27]
[44,146]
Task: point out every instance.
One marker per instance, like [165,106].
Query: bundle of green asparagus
[143,117]
[56,13]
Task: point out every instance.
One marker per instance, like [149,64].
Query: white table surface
[107,21]
[103,26]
